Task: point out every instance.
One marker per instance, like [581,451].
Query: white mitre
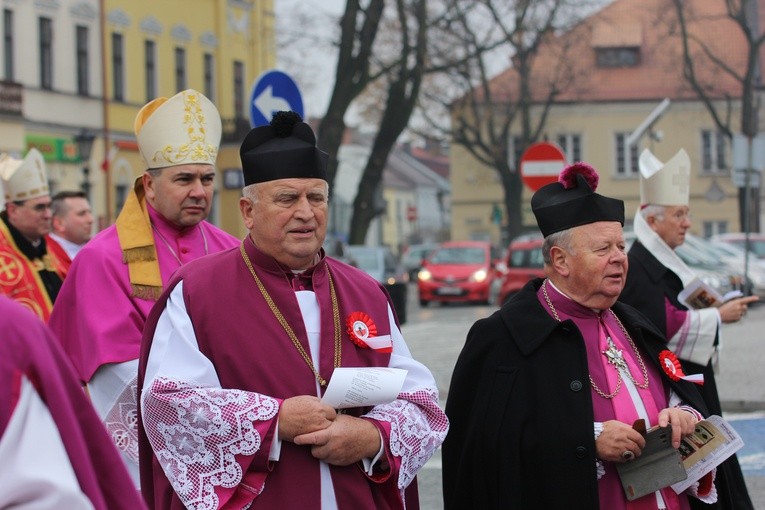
[182,130]
[24,179]
[665,183]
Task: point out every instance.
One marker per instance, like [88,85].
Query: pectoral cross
[615,356]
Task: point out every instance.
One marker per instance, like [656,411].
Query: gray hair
[250,192]
[657,211]
[561,239]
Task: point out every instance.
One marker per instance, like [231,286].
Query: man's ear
[559,260]
[55,224]
[148,186]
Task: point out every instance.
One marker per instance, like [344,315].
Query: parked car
[413,256]
[380,263]
[733,256]
[524,263]
[756,241]
[709,269]
[337,249]
[458,271]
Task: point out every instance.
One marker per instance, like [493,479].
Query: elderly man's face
[596,264]
[673,224]
[288,219]
[181,194]
[32,217]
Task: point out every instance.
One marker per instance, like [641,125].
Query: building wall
[714,198]
[229,30]
[50,117]
[607,95]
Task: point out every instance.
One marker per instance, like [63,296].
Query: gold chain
[288,329]
[618,372]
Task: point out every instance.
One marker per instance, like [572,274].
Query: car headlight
[424,275]
[479,275]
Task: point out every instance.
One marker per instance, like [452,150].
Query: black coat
[649,282]
[520,409]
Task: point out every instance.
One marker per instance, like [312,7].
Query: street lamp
[84,140]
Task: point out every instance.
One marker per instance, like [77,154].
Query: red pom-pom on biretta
[568,175]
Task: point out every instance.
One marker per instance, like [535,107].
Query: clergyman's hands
[683,423]
[346,441]
[617,438]
[303,414]
[733,310]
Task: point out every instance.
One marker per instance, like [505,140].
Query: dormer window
[617,46]
[617,57]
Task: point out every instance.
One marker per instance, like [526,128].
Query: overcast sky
[310,62]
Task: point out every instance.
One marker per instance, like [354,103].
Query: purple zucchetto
[572,201]
[284,149]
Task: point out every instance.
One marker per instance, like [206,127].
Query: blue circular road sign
[273,91]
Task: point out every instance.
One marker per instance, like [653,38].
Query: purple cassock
[209,422]
[31,358]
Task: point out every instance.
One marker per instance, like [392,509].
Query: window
[238,89]
[618,57]
[8,43]
[150,63]
[626,160]
[46,53]
[121,191]
[118,66]
[83,75]
[180,69]
[572,147]
[209,77]
[712,228]
[713,152]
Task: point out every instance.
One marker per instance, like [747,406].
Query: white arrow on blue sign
[273,91]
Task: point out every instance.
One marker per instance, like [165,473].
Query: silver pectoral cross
[614,355]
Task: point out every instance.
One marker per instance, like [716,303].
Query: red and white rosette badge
[363,332]
[671,366]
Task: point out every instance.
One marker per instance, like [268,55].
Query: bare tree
[496,118]
[404,79]
[359,28]
[705,62]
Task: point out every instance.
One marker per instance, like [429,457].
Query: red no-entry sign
[541,164]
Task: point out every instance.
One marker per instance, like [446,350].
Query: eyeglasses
[681,216]
[39,208]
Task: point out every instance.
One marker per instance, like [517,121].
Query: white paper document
[713,441]
[363,386]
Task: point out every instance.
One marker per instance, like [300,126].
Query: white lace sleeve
[601,469]
[203,436]
[418,426]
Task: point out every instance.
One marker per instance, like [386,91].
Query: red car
[524,263]
[458,271]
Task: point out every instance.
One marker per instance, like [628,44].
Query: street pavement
[435,336]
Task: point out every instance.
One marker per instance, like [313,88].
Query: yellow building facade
[155,49]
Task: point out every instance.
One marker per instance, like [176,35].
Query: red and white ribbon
[671,366]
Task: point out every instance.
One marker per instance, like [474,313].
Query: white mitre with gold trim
[24,179]
[182,130]
[665,183]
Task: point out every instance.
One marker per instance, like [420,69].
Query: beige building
[627,63]
[74,67]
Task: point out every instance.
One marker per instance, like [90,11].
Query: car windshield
[366,259]
[459,255]
[531,257]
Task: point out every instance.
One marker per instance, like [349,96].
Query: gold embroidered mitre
[24,179]
[665,183]
[184,129]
